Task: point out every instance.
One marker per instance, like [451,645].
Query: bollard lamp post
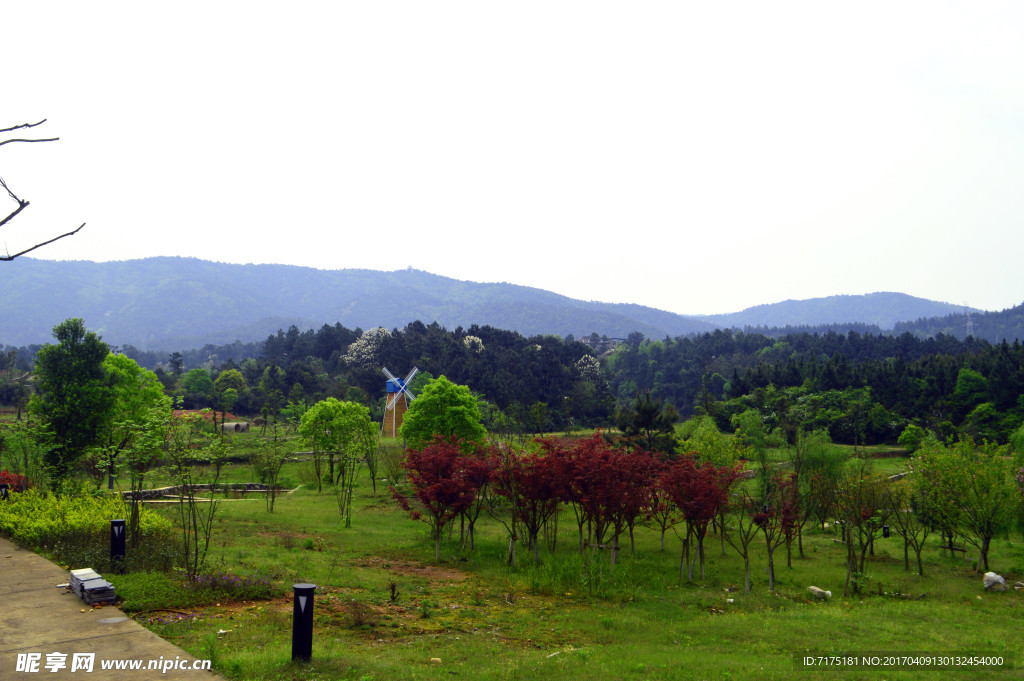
[117,532]
[302,622]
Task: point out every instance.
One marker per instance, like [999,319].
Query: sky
[696,157]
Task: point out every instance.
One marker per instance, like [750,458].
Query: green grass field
[570,616]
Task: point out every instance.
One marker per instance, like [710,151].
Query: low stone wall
[222,487]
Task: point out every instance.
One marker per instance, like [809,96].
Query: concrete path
[38,619]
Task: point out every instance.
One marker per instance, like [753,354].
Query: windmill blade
[408,381]
[391,403]
[391,376]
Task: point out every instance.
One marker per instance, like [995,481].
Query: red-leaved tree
[531,485]
[609,489]
[445,481]
[663,512]
[700,490]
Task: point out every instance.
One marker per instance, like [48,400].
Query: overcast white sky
[697,157]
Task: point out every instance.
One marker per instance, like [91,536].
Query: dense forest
[861,387]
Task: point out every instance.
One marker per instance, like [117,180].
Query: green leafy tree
[140,456]
[984,423]
[139,404]
[187,449]
[709,444]
[977,480]
[908,519]
[750,431]
[229,386]
[344,432]
[231,378]
[198,387]
[970,391]
[267,461]
[74,397]
[863,504]
[911,438]
[445,409]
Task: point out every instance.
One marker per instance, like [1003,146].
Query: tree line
[864,388]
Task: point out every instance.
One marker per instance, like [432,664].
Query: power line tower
[970,322]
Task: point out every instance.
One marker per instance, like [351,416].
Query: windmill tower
[399,397]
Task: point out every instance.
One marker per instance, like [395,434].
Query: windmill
[399,397]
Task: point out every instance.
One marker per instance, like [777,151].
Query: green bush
[75,530]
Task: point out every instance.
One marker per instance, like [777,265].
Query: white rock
[994,582]
[819,593]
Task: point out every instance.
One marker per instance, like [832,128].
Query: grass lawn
[569,617]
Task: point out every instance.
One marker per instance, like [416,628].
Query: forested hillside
[862,388]
[994,327]
[883,310]
[168,303]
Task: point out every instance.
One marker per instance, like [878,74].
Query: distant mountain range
[178,303]
[883,310]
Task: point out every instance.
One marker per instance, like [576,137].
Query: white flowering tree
[366,351]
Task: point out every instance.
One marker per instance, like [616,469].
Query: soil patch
[437,573]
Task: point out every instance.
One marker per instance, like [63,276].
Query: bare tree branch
[22,204]
[48,139]
[6,258]
[23,125]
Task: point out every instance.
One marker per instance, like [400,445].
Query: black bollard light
[117,532]
[302,622]
[3,491]
[885,531]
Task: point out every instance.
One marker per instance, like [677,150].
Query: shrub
[15,482]
[217,586]
[75,530]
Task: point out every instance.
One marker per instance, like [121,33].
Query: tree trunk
[683,560]
[690,559]
[721,532]
[983,558]
[849,568]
